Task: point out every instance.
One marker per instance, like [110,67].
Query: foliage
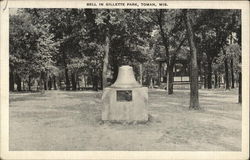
[31,46]
[59,42]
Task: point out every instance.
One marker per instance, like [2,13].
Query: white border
[4,94]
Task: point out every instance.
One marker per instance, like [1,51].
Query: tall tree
[67,27]
[238,31]
[106,52]
[32,47]
[194,94]
[214,30]
[170,28]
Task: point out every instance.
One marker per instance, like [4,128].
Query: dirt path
[60,121]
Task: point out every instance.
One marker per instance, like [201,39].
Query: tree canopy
[65,47]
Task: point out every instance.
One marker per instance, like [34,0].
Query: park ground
[70,121]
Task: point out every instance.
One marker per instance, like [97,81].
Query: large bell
[125,78]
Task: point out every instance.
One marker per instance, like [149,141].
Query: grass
[63,121]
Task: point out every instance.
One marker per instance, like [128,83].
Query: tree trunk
[200,75]
[85,81]
[19,83]
[167,75]
[205,81]
[78,85]
[159,76]
[151,82]
[209,73]
[95,82]
[226,80]
[215,80]
[141,73]
[164,36]
[205,75]
[45,80]
[165,39]
[77,82]
[194,94]
[240,89]
[60,84]
[115,72]
[24,86]
[105,61]
[54,82]
[12,81]
[29,83]
[170,79]
[67,79]
[42,82]
[240,84]
[101,80]
[232,72]
[73,80]
[226,74]
[50,83]
[219,77]
[45,84]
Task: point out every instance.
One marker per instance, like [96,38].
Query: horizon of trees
[60,48]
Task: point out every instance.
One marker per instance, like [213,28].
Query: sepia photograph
[126,78]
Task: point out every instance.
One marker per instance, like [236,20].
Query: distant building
[181,67]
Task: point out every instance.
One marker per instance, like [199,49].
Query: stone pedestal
[125,104]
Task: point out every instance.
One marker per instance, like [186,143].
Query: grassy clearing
[60,121]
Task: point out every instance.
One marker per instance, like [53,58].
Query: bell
[125,78]
[126,100]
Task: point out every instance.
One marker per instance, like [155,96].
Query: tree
[32,48]
[93,43]
[194,95]
[106,50]
[215,30]
[122,38]
[66,26]
[21,37]
[171,31]
[237,29]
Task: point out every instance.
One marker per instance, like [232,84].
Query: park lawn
[70,121]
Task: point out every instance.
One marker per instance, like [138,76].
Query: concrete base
[125,111]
